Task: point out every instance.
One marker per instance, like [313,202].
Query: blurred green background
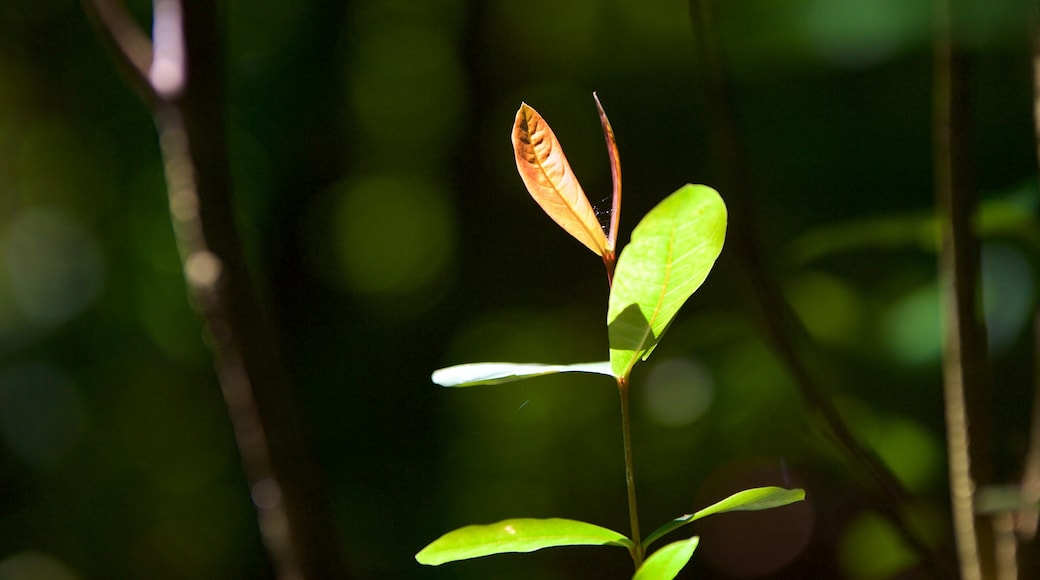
[391,236]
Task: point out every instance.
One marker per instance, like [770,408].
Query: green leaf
[672,250]
[517,535]
[667,562]
[749,500]
[493,373]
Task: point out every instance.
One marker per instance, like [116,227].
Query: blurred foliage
[391,236]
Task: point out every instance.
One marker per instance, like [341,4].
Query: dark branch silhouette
[780,326]
[179,75]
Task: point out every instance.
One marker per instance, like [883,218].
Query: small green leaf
[493,373]
[666,563]
[517,535]
[749,500]
[672,250]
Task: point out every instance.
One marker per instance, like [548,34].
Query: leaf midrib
[660,298]
[572,208]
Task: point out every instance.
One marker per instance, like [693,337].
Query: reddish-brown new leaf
[615,173]
[551,182]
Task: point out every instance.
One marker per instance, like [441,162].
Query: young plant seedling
[672,250]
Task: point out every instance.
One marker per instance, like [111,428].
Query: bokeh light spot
[558,36]
[859,33]
[53,263]
[1008,293]
[830,309]
[909,450]
[41,416]
[406,84]
[910,329]
[162,308]
[33,565]
[871,548]
[395,236]
[677,392]
[203,268]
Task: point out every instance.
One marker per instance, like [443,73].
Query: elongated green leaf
[517,535]
[749,500]
[493,373]
[666,563]
[672,250]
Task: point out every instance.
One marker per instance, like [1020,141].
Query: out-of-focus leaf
[666,563]
[749,500]
[672,250]
[551,182]
[493,373]
[1005,217]
[517,535]
[887,232]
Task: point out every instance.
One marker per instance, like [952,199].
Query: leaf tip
[423,557]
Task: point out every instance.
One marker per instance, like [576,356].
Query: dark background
[391,236]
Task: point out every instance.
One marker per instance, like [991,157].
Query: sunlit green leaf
[517,535]
[672,250]
[493,373]
[667,562]
[749,500]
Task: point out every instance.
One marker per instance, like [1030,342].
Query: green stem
[630,478]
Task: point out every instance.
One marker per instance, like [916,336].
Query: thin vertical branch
[1005,546]
[781,327]
[180,78]
[964,343]
[1026,519]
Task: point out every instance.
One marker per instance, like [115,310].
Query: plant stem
[630,478]
[1028,517]
[966,388]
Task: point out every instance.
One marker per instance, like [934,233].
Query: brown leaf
[551,182]
[615,173]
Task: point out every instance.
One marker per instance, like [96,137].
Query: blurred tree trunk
[179,74]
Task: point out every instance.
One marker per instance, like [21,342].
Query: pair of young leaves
[671,252]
